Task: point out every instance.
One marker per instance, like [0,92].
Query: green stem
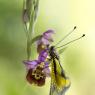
[30,31]
[30,36]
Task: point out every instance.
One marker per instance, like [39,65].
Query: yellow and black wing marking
[59,82]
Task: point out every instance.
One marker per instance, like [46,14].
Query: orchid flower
[37,72]
[45,40]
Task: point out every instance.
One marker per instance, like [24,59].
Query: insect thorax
[52,53]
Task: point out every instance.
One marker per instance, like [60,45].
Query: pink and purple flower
[37,72]
[44,40]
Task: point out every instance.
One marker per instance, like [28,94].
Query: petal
[46,37]
[39,41]
[29,76]
[47,71]
[48,34]
[30,64]
[43,55]
[45,41]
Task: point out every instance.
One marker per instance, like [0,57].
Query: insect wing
[62,50]
[59,83]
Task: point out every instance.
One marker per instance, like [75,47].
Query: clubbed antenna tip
[83,35]
[72,41]
[75,27]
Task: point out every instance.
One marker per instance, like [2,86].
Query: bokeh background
[61,15]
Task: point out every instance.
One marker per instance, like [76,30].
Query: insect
[59,81]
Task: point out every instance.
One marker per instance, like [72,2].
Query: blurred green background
[61,15]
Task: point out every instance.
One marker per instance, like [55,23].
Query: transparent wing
[59,82]
[62,50]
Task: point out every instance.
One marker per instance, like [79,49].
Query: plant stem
[33,17]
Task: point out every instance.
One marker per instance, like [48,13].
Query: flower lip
[38,75]
[36,78]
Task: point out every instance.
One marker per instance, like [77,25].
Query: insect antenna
[71,41]
[66,35]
